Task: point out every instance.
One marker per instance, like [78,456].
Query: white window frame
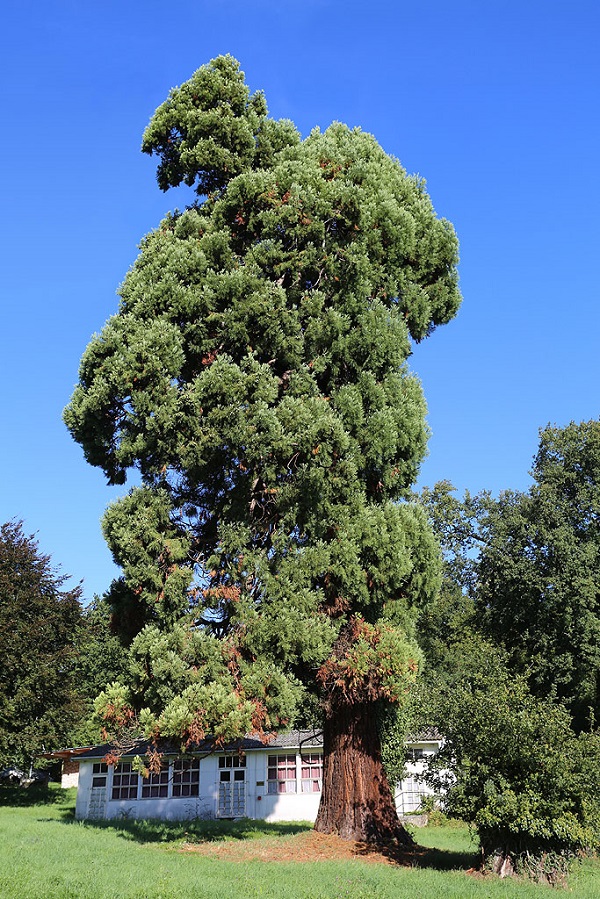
[282,761]
[156,785]
[187,778]
[178,779]
[313,761]
[121,771]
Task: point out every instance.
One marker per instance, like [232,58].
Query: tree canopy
[255,376]
[529,563]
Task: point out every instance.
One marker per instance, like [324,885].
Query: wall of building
[214,797]
[70,773]
[245,792]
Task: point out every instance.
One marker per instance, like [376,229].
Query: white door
[98,791]
[232,793]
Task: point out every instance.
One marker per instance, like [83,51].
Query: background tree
[40,625]
[539,570]
[530,562]
[102,659]
[255,375]
[511,645]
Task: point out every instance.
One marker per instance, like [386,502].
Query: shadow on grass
[212,831]
[447,860]
[34,794]
[245,829]
[424,857]
[194,831]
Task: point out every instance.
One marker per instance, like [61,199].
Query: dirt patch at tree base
[306,847]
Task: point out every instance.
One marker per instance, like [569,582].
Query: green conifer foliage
[255,375]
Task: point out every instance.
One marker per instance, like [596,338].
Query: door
[97,802]
[232,793]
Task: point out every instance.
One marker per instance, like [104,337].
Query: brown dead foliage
[308,846]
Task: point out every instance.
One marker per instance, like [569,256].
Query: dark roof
[64,753]
[425,735]
[290,740]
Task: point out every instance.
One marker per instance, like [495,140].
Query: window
[312,772]
[182,774]
[99,770]
[415,754]
[186,777]
[125,782]
[413,792]
[281,774]
[156,786]
[232,761]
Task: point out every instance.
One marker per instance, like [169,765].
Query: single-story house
[280,781]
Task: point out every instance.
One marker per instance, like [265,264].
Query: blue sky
[494,103]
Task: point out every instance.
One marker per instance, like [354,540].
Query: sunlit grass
[46,854]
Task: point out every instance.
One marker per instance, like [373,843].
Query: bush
[513,767]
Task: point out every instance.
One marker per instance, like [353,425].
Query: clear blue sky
[495,103]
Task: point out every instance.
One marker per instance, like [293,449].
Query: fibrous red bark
[356,800]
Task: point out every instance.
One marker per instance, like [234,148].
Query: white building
[411,792]
[280,781]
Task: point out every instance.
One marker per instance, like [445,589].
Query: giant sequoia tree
[255,375]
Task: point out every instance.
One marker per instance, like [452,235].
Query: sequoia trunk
[356,801]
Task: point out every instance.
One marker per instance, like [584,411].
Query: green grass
[46,854]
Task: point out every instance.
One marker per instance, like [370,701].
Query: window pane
[281,773]
[125,782]
[186,776]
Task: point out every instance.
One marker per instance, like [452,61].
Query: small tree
[256,377]
[40,626]
[512,766]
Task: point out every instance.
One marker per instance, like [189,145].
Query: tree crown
[256,376]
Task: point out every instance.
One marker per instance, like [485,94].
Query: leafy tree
[512,646]
[40,624]
[255,375]
[102,658]
[539,570]
[512,766]
[529,563]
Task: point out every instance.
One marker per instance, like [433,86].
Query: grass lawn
[46,854]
